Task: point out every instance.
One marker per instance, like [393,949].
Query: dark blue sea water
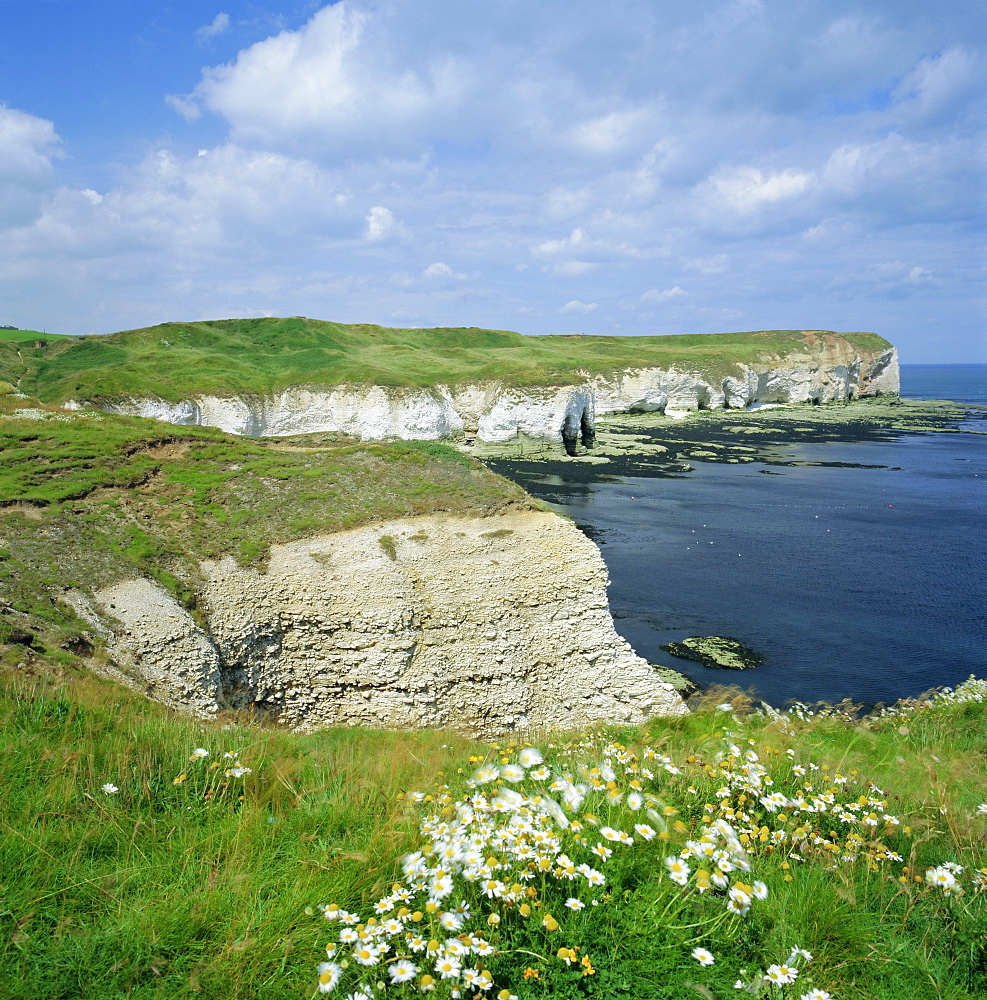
[960,383]
[866,583]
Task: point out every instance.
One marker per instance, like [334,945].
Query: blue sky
[559,166]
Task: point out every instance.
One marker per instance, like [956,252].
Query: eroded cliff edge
[480,624]
[445,387]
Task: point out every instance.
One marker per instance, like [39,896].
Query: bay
[865,579]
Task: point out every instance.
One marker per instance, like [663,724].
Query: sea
[866,580]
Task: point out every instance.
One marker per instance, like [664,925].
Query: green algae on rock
[685,685]
[715,651]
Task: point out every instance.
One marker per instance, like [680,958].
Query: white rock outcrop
[481,624]
[493,413]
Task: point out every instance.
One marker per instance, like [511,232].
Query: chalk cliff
[482,624]
[492,412]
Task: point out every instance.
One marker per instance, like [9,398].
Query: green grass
[32,335]
[178,360]
[87,500]
[212,886]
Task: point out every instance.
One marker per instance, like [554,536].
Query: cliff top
[224,357]
[90,499]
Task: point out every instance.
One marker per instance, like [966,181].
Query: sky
[622,167]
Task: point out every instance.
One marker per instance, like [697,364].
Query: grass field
[32,335]
[146,855]
[224,357]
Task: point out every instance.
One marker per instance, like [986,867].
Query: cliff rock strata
[830,368]
[484,625]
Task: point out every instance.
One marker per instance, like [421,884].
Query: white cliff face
[830,369]
[834,370]
[484,625]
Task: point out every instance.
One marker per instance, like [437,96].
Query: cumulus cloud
[576,240]
[575,306]
[327,87]
[438,270]
[655,295]
[28,146]
[616,132]
[381,224]
[937,87]
[441,273]
[745,190]
[890,279]
[219,24]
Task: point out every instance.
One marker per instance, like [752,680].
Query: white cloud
[219,24]
[745,190]
[576,240]
[381,224]
[184,106]
[27,147]
[938,84]
[440,274]
[614,132]
[717,264]
[655,295]
[438,270]
[891,279]
[328,88]
[900,181]
[575,306]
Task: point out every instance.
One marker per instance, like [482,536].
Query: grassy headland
[174,361]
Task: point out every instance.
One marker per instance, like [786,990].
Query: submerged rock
[715,651]
[686,686]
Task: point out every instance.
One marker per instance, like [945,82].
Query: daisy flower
[402,971]
[367,955]
[779,974]
[702,956]
[329,973]
[109,788]
[448,968]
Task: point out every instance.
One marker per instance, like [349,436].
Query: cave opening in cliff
[587,431]
[569,438]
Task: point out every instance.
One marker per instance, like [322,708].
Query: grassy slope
[89,499]
[176,360]
[32,335]
[207,887]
